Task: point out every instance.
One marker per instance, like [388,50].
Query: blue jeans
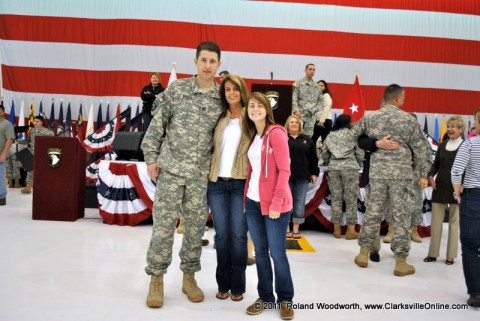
[225,198]
[470,239]
[147,118]
[299,193]
[3,186]
[269,239]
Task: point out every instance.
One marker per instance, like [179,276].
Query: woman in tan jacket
[225,189]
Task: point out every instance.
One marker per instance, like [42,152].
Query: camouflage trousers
[417,205]
[399,194]
[175,192]
[343,185]
[417,211]
[29,179]
[13,165]
[309,124]
[12,169]
[377,244]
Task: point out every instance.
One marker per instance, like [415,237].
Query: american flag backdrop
[91,51]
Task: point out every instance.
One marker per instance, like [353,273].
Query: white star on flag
[354,108]
[354,104]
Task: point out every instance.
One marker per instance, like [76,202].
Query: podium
[284,100]
[58,179]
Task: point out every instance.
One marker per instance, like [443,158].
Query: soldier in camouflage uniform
[13,165]
[417,205]
[343,158]
[177,149]
[307,99]
[37,130]
[390,176]
[7,136]
[417,211]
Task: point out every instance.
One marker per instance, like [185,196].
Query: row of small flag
[64,125]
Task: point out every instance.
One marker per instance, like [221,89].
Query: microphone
[271,77]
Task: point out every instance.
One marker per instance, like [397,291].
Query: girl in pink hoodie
[268,205]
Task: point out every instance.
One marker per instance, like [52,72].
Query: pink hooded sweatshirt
[274,191]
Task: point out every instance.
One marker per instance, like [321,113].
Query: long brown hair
[240,83]
[249,129]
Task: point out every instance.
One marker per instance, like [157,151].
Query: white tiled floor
[89,271]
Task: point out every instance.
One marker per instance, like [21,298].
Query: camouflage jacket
[306,97]
[340,153]
[394,164]
[180,136]
[42,131]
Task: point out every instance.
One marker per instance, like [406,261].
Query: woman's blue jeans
[299,193]
[269,239]
[225,198]
[470,238]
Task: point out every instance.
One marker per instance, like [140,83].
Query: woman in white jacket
[324,115]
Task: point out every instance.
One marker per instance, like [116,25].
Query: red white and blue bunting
[126,195]
[102,139]
[125,192]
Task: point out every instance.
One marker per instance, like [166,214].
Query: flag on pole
[173,74]
[68,122]
[99,117]
[31,116]
[354,103]
[107,117]
[52,116]
[425,126]
[21,119]
[117,115]
[11,117]
[41,113]
[436,134]
[90,127]
[443,128]
[21,116]
[61,122]
[80,128]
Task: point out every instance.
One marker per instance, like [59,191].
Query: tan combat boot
[402,268]
[155,293]
[17,184]
[362,258]
[415,236]
[191,289]
[337,231]
[389,236]
[351,233]
[27,189]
